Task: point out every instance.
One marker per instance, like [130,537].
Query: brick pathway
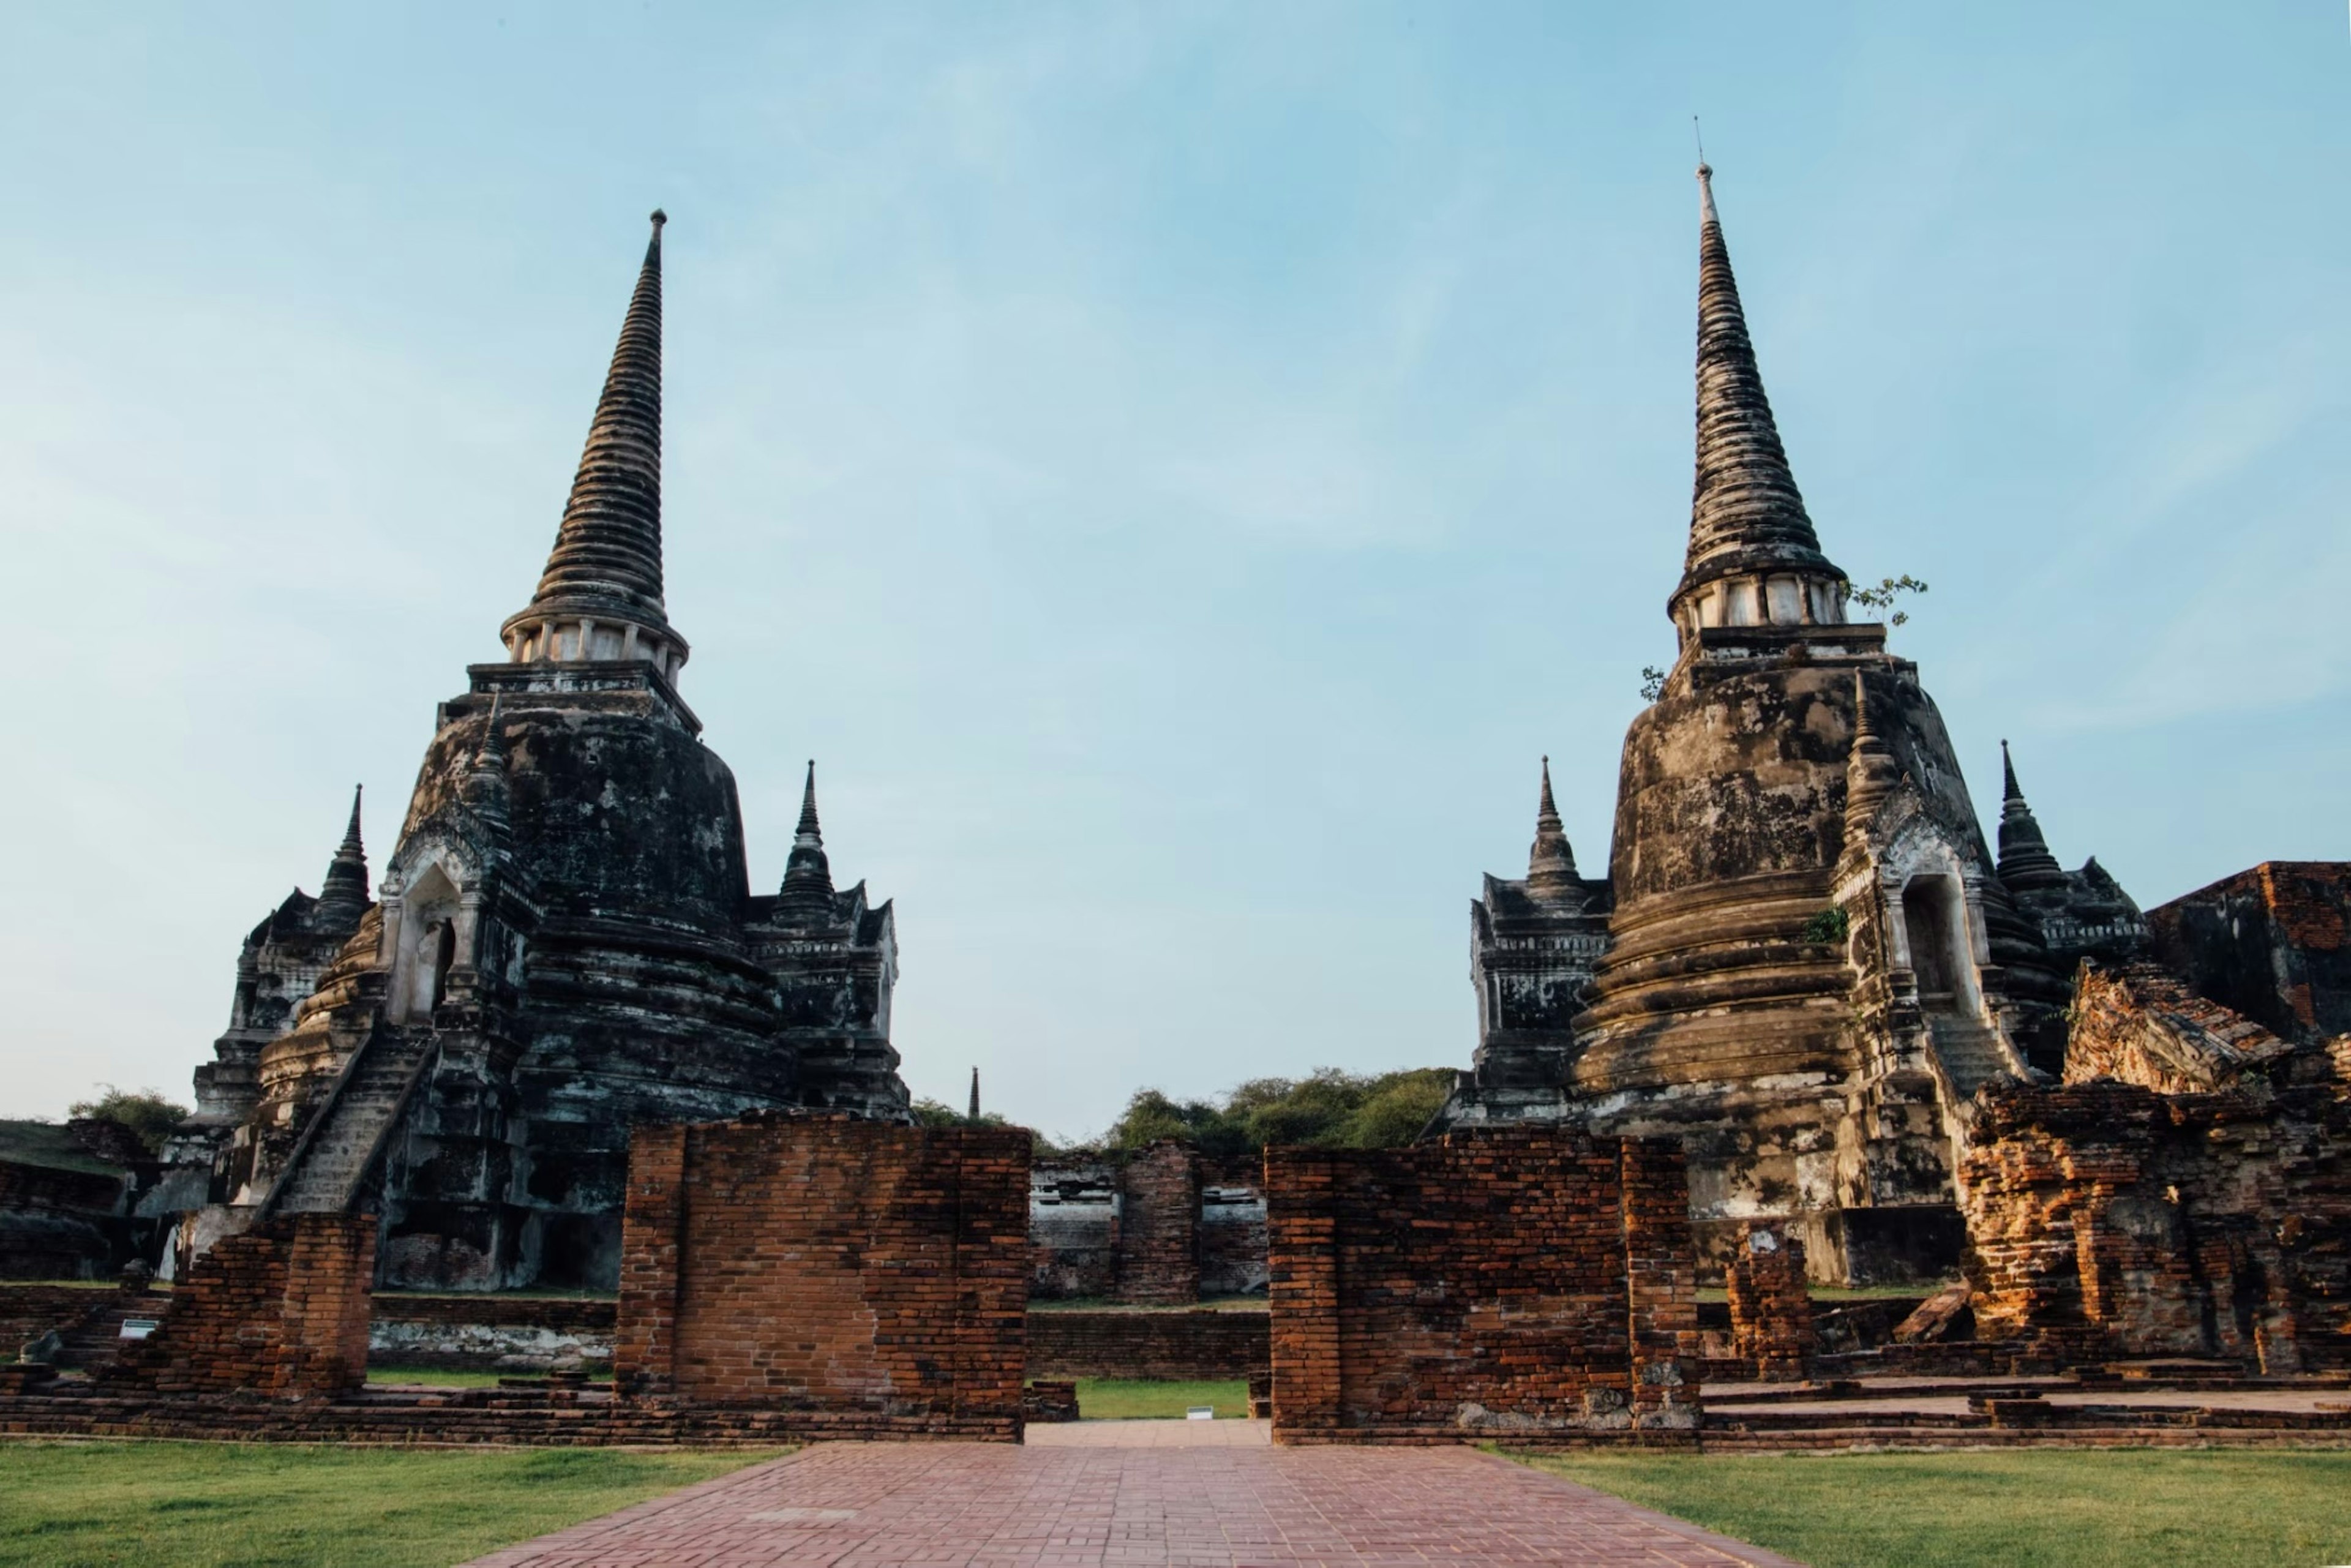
[946,1505]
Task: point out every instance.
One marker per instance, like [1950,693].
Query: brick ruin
[280,1311]
[1533,1282]
[2185,1190]
[872,1276]
[1162,1226]
[1771,1304]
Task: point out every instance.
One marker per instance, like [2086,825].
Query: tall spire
[343,896]
[808,875]
[2025,858]
[1550,861]
[606,568]
[1747,518]
[973,1115]
[1870,770]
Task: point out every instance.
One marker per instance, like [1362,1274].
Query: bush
[147,1113]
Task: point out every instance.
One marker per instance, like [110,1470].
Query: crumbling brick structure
[2107,1220]
[1527,1280]
[873,1276]
[280,1310]
[1771,1306]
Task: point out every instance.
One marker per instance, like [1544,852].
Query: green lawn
[1124,1399]
[2049,1508]
[228,1505]
[434,1377]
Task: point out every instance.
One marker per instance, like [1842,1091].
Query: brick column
[991,1264]
[1661,1281]
[645,1340]
[1302,1294]
[329,1270]
[1159,1231]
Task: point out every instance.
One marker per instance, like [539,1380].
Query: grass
[1125,1400]
[214,1505]
[435,1377]
[2038,1508]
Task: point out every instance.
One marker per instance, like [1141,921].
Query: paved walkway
[1128,1503]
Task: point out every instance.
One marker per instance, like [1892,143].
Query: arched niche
[431,939]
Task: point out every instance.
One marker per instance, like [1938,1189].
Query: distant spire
[343,896]
[607,560]
[973,1115]
[2025,858]
[1870,769]
[1551,863]
[808,875]
[1746,514]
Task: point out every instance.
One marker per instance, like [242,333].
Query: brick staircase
[328,1165]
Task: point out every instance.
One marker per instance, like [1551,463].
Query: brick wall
[831,1266]
[1524,1281]
[1183,1345]
[280,1310]
[1771,1307]
[1159,1231]
[2107,1220]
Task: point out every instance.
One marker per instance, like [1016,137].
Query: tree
[1329,1107]
[145,1112]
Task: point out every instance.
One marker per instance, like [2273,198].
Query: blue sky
[1175,466]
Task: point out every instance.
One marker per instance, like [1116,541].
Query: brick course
[819,1264]
[1518,1281]
[1200,1344]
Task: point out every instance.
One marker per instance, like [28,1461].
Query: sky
[1175,467]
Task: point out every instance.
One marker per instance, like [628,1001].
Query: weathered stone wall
[2273,943]
[504,1333]
[1164,1227]
[2105,1219]
[1200,1345]
[1770,1303]
[829,1265]
[280,1310]
[1232,1227]
[1522,1280]
[58,1224]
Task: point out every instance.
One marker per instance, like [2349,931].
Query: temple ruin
[1804,961]
[563,943]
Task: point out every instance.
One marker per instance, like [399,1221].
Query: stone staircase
[334,1155]
[1971,1054]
